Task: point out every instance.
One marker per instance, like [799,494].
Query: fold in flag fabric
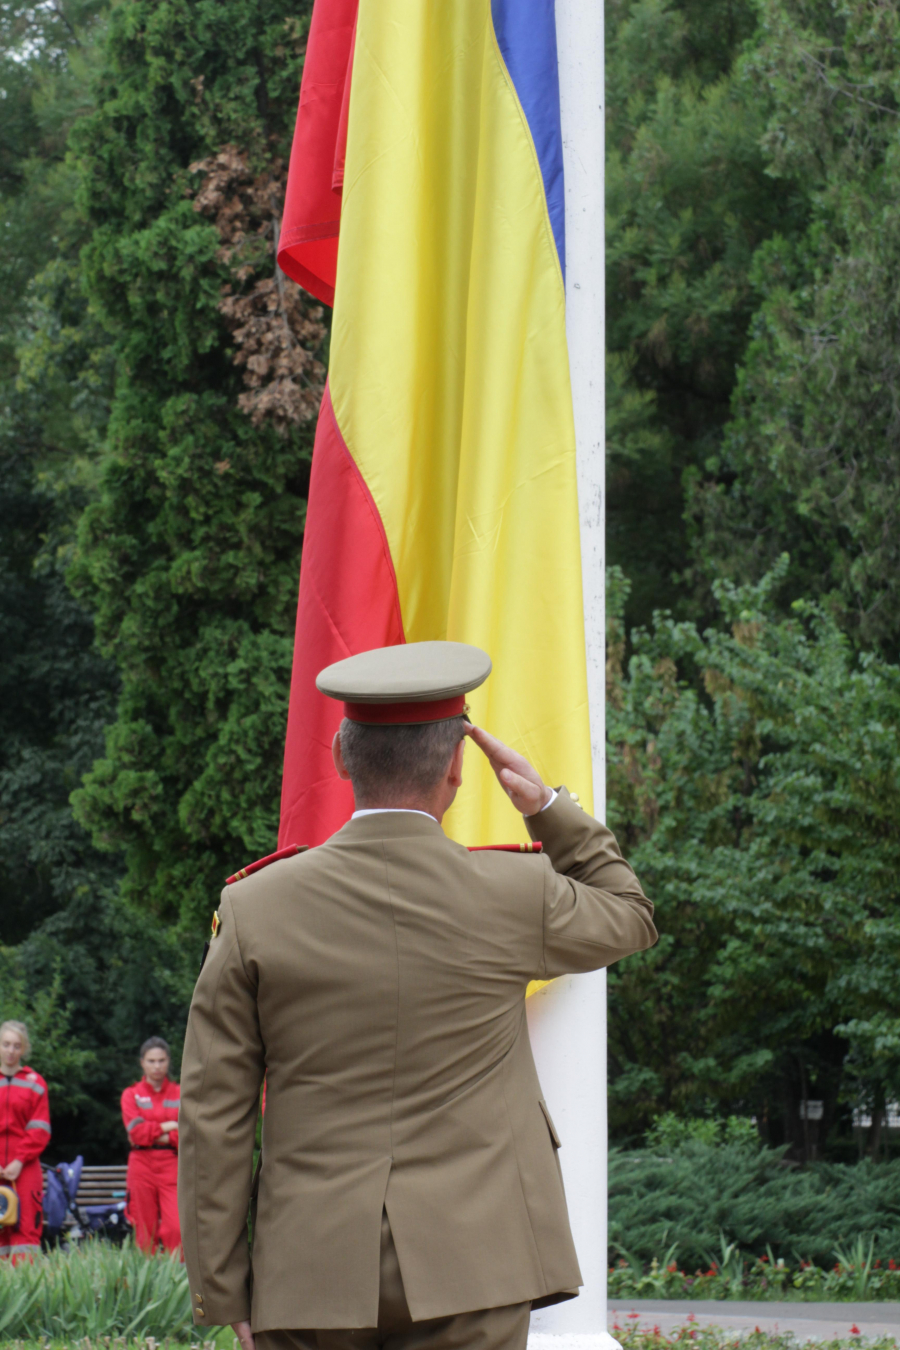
[425,201]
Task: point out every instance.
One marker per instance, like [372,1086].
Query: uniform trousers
[153,1198]
[24,1241]
[490,1329]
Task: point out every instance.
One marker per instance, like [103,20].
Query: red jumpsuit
[24,1134]
[152,1164]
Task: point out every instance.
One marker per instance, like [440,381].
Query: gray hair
[393,763]
[22,1032]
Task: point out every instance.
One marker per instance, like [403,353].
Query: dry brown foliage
[277,328]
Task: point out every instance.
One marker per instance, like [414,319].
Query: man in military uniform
[408,1193]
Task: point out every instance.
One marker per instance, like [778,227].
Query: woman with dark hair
[24,1134]
[150,1114]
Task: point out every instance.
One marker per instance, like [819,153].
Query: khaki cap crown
[408,673]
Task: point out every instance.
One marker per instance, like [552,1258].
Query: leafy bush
[754,782]
[669,1131]
[688,1202]
[95,1291]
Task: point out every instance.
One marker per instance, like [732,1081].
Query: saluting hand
[522,783]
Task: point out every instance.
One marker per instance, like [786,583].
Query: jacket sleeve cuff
[552,818]
[219,1314]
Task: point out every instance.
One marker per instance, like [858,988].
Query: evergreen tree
[188,552]
[89,982]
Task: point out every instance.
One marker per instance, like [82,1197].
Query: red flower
[892,1264]
[854,1330]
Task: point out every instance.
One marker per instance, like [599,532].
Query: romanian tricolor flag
[425,202]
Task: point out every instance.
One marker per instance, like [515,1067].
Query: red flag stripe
[307,247]
[348,603]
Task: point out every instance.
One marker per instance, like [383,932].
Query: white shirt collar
[391,810]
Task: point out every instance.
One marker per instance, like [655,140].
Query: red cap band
[405,714]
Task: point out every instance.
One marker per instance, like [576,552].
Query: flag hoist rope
[567,1019]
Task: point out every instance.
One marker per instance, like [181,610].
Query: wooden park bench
[102,1185]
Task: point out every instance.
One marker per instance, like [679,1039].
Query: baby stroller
[60,1191]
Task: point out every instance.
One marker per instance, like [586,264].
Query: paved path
[808,1321]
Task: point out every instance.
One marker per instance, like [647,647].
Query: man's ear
[454,777]
[338,758]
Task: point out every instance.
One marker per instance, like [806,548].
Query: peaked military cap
[409,683]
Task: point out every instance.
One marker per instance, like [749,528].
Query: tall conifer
[189,552]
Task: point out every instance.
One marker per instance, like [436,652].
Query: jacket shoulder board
[533,846]
[264,862]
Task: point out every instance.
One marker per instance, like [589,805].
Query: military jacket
[379,982]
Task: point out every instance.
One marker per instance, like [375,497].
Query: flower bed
[855,1276]
[632,1337]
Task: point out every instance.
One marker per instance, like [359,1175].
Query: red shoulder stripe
[264,862]
[533,846]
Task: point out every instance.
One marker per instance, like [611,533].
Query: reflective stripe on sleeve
[138,1120]
[38,1125]
[175,1104]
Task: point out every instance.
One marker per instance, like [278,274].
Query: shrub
[696,1195]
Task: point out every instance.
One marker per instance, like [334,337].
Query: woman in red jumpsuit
[150,1114]
[24,1134]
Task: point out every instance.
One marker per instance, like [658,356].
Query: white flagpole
[567,1020]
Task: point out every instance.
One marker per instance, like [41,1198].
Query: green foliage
[669,1131]
[89,979]
[54,689]
[755,783]
[753,240]
[856,1276]
[696,1200]
[64,1065]
[96,1290]
[689,201]
[811,459]
[188,552]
